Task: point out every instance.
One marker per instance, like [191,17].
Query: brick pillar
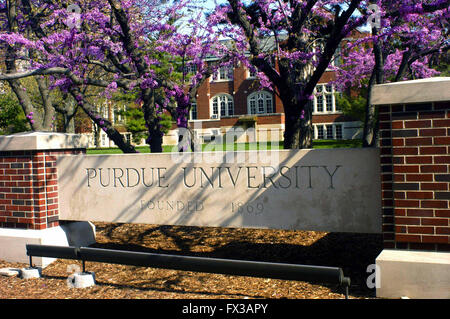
[415,173]
[29,194]
[29,188]
[415,168]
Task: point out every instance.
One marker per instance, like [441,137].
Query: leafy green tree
[12,119]
[166,123]
[135,123]
[353,106]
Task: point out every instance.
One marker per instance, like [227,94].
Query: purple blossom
[153,32]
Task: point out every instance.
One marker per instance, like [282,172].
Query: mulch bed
[352,252]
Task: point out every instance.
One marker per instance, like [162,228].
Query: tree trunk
[96,136]
[155,135]
[306,128]
[49,111]
[370,121]
[69,124]
[112,133]
[370,133]
[104,124]
[155,139]
[298,132]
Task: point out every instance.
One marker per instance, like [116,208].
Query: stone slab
[30,273]
[13,241]
[9,272]
[42,141]
[415,91]
[83,280]
[413,274]
[335,190]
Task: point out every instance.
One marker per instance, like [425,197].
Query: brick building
[232,98]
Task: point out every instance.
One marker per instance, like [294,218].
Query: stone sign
[323,190]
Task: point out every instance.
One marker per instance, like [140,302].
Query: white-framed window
[319,104]
[325,99]
[338,131]
[103,111]
[222,105]
[320,132]
[260,102]
[224,73]
[328,131]
[193,111]
[103,140]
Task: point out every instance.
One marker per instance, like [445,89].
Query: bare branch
[123,83]
[25,74]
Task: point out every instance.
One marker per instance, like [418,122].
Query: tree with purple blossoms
[139,47]
[30,47]
[400,48]
[112,45]
[306,36]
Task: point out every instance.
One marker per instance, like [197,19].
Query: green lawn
[318,144]
[337,144]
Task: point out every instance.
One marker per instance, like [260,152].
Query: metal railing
[308,273]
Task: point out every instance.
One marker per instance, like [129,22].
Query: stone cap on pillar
[435,89]
[28,141]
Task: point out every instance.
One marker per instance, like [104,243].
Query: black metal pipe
[214,265]
[53,251]
[320,274]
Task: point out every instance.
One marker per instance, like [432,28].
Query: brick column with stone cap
[29,189]
[415,172]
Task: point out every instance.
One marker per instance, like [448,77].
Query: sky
[210,4]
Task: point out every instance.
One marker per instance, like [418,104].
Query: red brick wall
[415,170]
[240,88]
[29,188]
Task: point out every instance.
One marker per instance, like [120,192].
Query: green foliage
[12,119]
[444,68]
[441,62]
[354,107]
[166,123]
[357,143]
[135,124]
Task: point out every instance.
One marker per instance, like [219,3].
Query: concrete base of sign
[10,272]
[83,280]
[13,241]
[29,273]
[413,274]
